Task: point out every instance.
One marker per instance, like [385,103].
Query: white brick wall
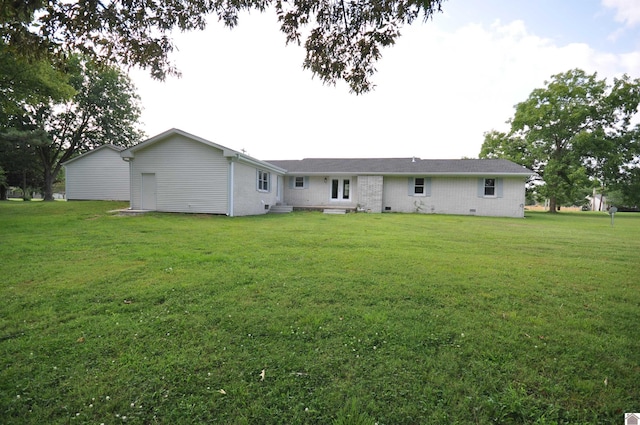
[454,195]
[247,199]
[318,193]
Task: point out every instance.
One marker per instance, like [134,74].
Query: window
[263,181]
[489,187]
[418,186]
[298,182]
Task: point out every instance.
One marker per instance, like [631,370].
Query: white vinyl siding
[190,176]
[98,175]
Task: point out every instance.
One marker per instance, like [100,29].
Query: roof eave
[411,173]
[130,152]
[255,162]
[108,145]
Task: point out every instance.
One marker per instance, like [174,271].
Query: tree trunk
[48,186]
[3,193]
[25,194]
[552,205]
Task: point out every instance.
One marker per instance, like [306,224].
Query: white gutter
[130,184]
[409,174]
[260,164]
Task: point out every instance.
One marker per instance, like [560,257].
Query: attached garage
[178,172]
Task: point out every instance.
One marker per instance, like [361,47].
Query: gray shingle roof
[402,166]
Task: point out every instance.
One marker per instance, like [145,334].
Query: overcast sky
[444,83]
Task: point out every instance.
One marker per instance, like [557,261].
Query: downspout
[130,184]
[128,161]
[231,169]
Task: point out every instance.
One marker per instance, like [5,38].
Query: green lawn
[352,319]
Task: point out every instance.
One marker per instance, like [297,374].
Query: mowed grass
[308,318]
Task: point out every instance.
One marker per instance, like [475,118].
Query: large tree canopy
[574,129]
[26,86]
[26,83]
[104,109]
[343,38]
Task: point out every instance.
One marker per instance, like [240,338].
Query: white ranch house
[178,172]
[465,187]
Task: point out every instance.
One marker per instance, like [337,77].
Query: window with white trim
[263,181]
[340,189]
[298,182]
[489,187]
[418,186]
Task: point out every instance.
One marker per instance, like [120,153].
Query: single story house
[487,187]
[178,172]
[99,174]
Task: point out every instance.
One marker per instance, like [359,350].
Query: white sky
[443,84]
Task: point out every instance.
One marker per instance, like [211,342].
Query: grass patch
[308,318]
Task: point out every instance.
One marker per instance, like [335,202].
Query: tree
[19,160]
[608,151]
[105,109]
[25,86]
[502,145]
[574,129]
[627,191]
[3,184]
[27,83]
[344,38]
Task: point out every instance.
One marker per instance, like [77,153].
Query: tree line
[578,133]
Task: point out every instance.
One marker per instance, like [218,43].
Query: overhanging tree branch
[345,37]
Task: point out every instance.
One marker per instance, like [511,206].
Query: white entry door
[340,189]
[148,191]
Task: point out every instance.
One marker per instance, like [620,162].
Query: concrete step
[334,211]
[280,209]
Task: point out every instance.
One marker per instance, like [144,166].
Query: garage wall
[98,175]
[189,176]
